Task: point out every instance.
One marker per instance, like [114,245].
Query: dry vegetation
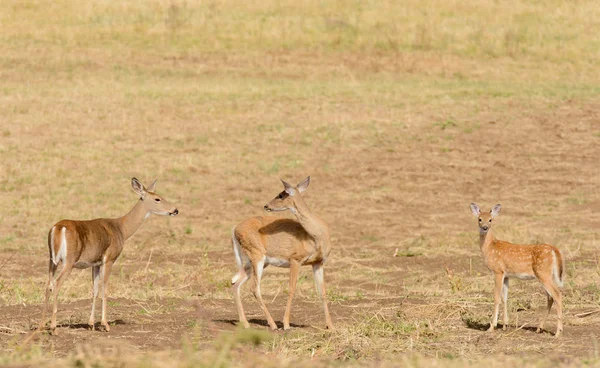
[402,112]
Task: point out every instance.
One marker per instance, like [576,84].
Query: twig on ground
[585,314]
[149,258]
[8,330]
[7,260]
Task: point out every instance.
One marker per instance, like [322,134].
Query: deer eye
[157,200]
[280,196]
[479,220]
[490,220]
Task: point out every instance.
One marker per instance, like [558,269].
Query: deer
[543,262]
[281,242]
[96,244]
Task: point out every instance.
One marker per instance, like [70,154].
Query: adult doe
[527,262]
[265,240]
[97,244]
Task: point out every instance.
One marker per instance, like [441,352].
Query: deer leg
[96,281]
[238,299]
[64,273]
[320,285]
[556,295]
[505,301]
[257,275]
[49,287]
[106,267]
[545,313]
[294,268]
[499,280]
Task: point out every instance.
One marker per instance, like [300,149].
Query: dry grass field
[403,113]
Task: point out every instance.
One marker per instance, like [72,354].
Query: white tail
[265,240]
[97,244]
[558,268]
[237,251]
[528,262]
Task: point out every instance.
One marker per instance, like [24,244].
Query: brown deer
[527,262]
[265,240]
[97,244]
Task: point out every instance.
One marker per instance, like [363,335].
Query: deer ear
[152,187]
[304,184]
[496,210]
[288,188]
[138,187]
[475,209]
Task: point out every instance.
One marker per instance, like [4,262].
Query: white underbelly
[522,276]
[277,262]
[82,264]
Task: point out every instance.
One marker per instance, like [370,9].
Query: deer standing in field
[97,244]
[527,262]
[265,240]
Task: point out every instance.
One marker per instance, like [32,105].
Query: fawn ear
[138,187]
[475,209]
[304,184]
[496,210]
[152,187]
[288,188]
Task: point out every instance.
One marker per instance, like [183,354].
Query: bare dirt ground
[399,136]
[434,297]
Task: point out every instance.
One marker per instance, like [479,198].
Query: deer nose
[176,212]
[485,228]
[266,207]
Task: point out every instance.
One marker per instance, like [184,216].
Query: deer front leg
[294,268]
[105,274]
[257,275]
[96,281]
[505,301]
[499,279]
[320,285]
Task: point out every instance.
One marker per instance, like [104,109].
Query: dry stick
[585,314]
[149,258]
[518,328]
[4,328]
[278,290]
[148,313]
[8,260]
[179,288]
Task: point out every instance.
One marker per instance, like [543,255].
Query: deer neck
[133,220]
[485,240]
[311,223]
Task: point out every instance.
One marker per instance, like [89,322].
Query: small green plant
[455,281]
[336,296]
[443,125]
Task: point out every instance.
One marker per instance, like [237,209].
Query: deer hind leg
[257,275]
[49,288]
[106,267]
[64,273]
[505,301]
[555,295]
[545,313]
[96,281]
[240,278]
[294,268]
[320,285]
[498,281]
